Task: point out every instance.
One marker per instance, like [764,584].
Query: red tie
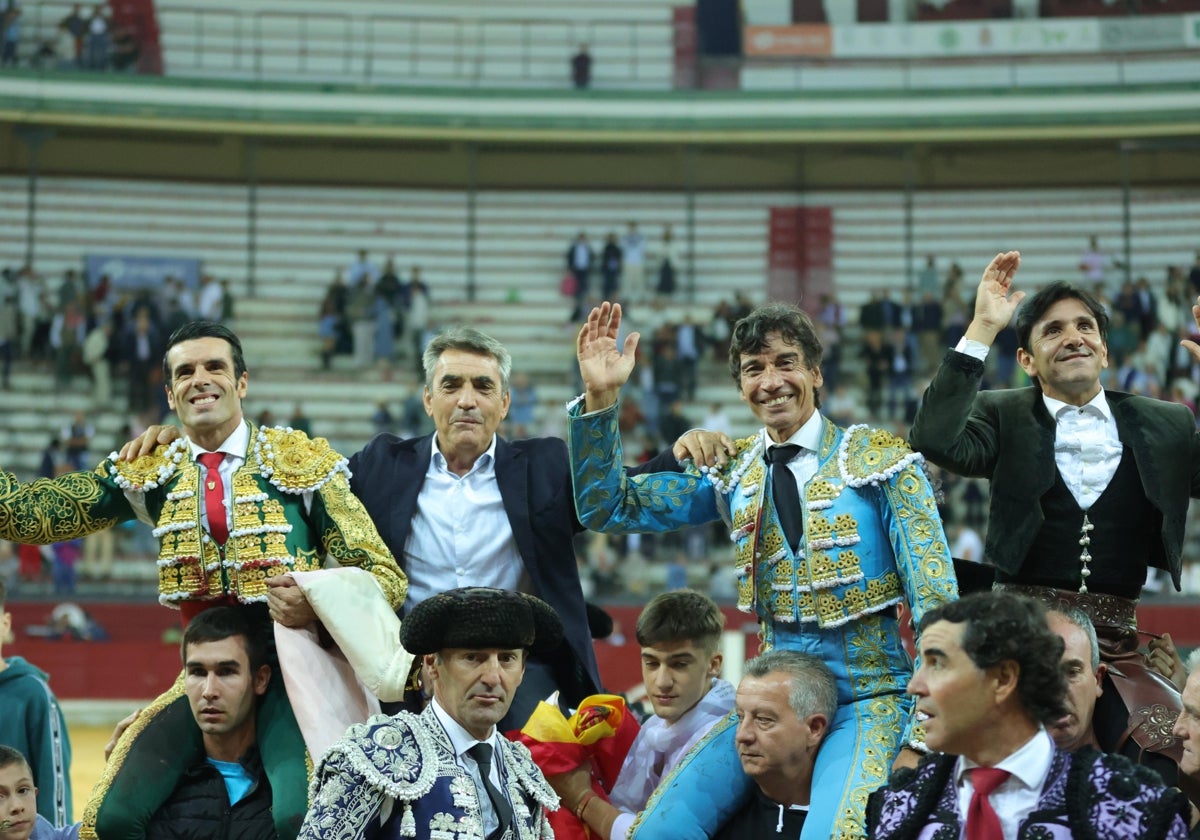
[214,496]
[982,822]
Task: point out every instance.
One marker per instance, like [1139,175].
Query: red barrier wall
[136,664]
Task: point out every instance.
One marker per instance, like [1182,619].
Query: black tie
[482,753]
[784,492]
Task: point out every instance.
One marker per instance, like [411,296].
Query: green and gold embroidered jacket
[271,531]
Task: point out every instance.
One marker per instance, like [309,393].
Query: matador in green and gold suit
[291,506]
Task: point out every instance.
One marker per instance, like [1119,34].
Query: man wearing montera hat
[447,772]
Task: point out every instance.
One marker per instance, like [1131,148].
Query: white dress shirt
[1016,798]
[805,463]
[1087,445]
[462,740]
[460,535]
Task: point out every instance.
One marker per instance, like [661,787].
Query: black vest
[1126,538]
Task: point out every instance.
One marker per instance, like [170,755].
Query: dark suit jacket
[535,485]
[1007,436]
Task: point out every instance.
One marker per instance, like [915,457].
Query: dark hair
[1035,307]
[205,329]
[681,615]
[219,623]
[3,598]
[11,755]
[1001,626]
[750,335]
[470,340]
[813,688]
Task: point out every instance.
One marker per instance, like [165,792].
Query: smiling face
[776,748]
[676,675]
[1066,352]
[1084,685]
[18,801]
[204,391]
[467,400]
[222,687]
[778,385]
[475,686]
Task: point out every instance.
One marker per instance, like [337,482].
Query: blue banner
[135,271]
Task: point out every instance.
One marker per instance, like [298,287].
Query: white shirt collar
[1098,403]
[460,738]
[486,459]
[807,436]
[236,444]
[1029,764]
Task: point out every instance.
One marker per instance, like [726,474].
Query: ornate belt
[1103,610]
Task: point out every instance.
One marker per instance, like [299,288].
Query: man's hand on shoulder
[148,441]
[995,300]
[705,448]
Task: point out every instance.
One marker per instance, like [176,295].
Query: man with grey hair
[1084,672]
[785,703]
[465,507]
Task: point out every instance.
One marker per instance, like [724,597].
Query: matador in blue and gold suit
[872,540]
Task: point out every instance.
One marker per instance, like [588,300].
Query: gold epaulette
[148,471]
[294,462]
[870,456]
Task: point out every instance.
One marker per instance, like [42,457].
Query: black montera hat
[479,617]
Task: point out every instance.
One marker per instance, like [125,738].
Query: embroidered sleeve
[921,551]
[351,539]
[51,510]
[607,499]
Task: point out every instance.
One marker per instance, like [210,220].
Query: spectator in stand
[928,282]
[76,27]
[68,331]
[383,420]
[668,265]
[673,424]
[633,264]
[9,328]
[77,438]
[877,361]
[579,262]
[96,44]
[900,398]
[360,268]
[96,349]
[299,420]
[143,352]
[10,39]
[126,47]
[688,340]
[360,312]
[385,334]
[420,317]
[208,302]
[927,323]
[611,259]
[581,68]
[1094,262]
[33,723]
[34,314]
[524,404]
[717,420]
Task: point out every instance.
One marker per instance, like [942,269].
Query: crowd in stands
[85,39]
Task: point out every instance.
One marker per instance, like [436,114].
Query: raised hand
[1189,345]
[995,300]
[603,365]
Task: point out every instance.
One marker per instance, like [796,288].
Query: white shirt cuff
[974,349]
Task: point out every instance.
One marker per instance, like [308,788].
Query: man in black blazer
[509,505]
[1089,487]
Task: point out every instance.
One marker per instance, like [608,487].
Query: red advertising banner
[684,21]
[800,255]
